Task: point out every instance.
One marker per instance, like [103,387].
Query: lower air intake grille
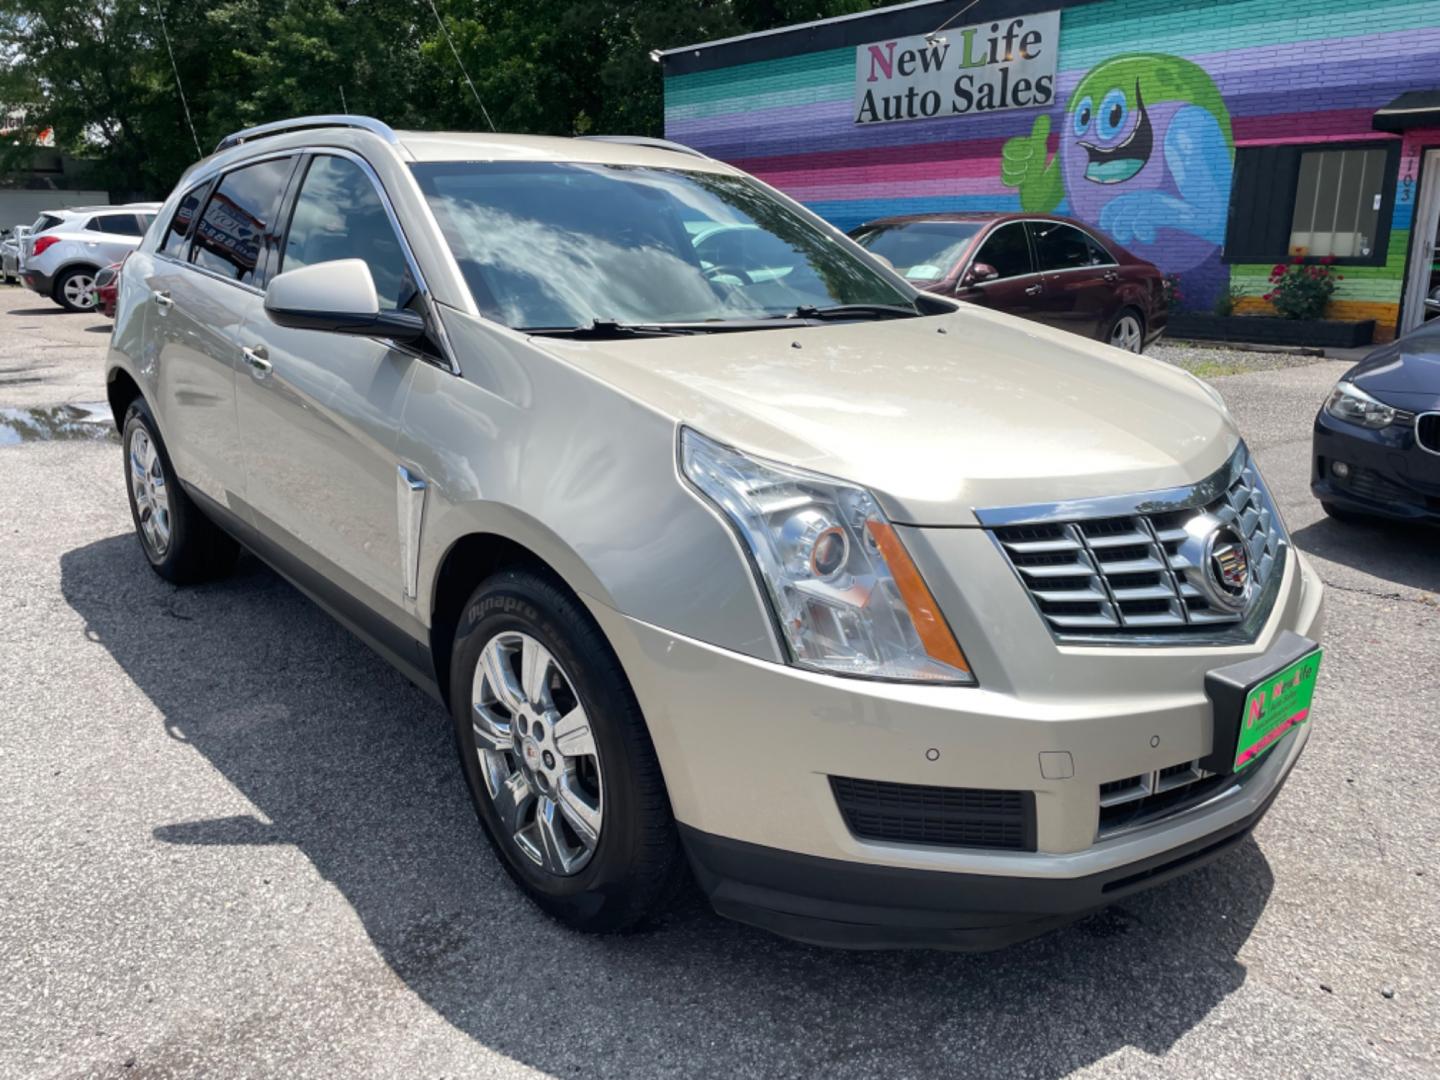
[1369,484]
[1150,797]
[948,817]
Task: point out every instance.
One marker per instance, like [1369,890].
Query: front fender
[533,449]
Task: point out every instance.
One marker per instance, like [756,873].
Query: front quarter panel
[531,448]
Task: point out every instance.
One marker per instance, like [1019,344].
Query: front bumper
[749,748]
[860,906]
[1390,476]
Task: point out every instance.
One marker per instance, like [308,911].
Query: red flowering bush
[1170,288]
[1300,290]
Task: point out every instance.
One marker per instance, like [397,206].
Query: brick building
[1213,137]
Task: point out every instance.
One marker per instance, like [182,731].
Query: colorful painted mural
[1211,77]
[1146,154]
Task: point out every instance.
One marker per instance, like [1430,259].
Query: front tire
[558,758]
[181,544]
[75,291]
[1127,331]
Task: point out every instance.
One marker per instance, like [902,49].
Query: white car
[10,253]
[66,248]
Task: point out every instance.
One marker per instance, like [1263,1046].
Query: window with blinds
[1338,195]
[1315,201]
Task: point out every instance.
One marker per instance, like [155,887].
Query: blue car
[1377,437]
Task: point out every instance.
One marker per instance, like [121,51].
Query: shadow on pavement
[55,309]
[344,759]
[1395,551]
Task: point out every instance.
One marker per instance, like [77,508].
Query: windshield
[544,244]
[920,250]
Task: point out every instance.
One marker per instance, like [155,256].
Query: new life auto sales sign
[1000,65]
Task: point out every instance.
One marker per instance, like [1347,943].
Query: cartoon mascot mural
[1146,154]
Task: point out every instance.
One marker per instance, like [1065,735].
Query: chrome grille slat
[1060,570]
[1121,571]
[1145,592]
[1150,563]
[1094,594]
[1043,547]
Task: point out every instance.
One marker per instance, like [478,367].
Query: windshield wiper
[606,328]
[601,329]
[853,311]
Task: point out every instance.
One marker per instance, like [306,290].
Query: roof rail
[305,123]
[646,140]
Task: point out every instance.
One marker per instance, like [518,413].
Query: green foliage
[98,73]
[1227,299]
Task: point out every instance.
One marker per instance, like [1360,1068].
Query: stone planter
[1269,330]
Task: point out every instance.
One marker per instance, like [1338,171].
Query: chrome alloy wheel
[537,753]
[1127,334]
[152,496]
[80,291]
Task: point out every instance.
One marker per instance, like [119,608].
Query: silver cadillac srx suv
[893,621]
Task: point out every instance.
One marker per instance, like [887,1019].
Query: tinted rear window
[45,221]
[1063,247]
[118,224]
[238,217]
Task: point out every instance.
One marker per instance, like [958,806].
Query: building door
[1423,275]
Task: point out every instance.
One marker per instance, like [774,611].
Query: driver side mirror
[978,273]
[338,297]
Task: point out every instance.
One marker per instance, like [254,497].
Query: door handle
[1034,290]
[259,366]
[1111,276]
[162,300]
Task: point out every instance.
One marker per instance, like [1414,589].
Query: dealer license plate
[1274,706]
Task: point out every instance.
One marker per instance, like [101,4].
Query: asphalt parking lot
[235,843]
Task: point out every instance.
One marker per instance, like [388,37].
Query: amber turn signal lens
[934,632]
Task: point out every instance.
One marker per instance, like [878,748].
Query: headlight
[1348,402]
[847,596]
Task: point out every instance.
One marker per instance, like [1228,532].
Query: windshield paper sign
[1008,64]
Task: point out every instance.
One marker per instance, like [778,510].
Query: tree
[99,72]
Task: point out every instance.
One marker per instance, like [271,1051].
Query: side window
[1007,250]
[117,224]
[338,215]
[179,230]
[1098,255]
[238,217]
[1063,247]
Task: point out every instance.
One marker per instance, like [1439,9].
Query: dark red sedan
[107,288]
[1050,269]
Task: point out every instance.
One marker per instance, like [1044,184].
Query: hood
[1405,373]
[938,415]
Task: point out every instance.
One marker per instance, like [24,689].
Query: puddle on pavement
[84,420]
